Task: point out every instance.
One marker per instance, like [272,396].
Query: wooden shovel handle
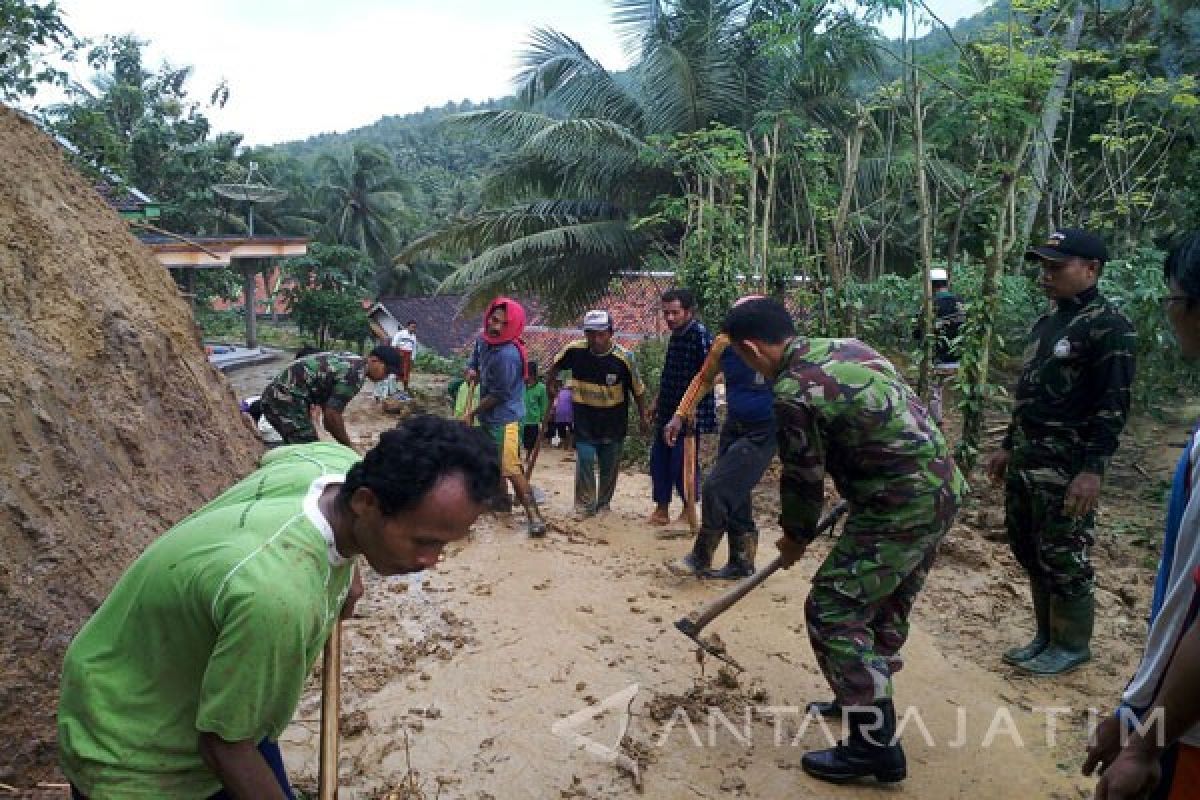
[331,702]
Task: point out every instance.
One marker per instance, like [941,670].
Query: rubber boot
[1041,613]
[536,526]
[698,562]
[742,549]
[870,751]
[825,708]
[1071,621]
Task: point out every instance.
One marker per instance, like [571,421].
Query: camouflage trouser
[857,611]
[289,415]
[1050,545]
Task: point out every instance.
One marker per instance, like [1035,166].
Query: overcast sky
[301,67]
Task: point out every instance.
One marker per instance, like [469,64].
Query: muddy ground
[455,679]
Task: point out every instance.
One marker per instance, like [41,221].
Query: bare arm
[702,382]
[1137,769]
[242,770]
[336,425]
[701,385]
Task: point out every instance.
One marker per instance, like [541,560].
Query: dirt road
[455,679]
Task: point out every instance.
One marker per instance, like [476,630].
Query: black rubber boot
[698,562]
[870,751]
[1041,638]
[1071,622]
[825,708]
[742,549]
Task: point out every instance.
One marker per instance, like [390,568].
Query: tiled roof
[440,324]
[633,301]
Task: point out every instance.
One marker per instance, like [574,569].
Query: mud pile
[112,423]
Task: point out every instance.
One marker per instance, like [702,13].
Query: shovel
[697,621]
[331,697]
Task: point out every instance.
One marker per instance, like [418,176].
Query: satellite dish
[251,191]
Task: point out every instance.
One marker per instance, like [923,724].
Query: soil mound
[113,425]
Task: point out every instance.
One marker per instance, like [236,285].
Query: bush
[429,361]
[650,355]
[219,324]
[1134,285]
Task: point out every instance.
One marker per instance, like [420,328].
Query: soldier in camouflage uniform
[1071,402]
[842,409]
[327,380]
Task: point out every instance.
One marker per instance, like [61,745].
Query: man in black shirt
[603,376]
[1072,400]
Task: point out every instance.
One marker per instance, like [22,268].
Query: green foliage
[329,315]
[219,324]
[1135,285]
[429,361]
[362,194]
[143,128]
[31,34]
[329,266]
[650,356]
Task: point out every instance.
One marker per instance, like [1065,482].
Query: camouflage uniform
[1071,403]
[842,408]
[325,379]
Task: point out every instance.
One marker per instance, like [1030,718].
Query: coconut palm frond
[515,179]
[495,228]
[507,126]
[569,266]
[556,66]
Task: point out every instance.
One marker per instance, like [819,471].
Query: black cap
[1067,243]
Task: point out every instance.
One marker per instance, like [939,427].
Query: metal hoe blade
[688,629]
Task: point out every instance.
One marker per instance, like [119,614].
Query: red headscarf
[514,326]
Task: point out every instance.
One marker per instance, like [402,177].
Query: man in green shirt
[536,403]
[182,681]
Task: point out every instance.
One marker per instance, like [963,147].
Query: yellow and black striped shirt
[600,387]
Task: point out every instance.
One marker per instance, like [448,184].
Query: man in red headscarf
[499,363]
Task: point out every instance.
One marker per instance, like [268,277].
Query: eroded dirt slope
[112,423]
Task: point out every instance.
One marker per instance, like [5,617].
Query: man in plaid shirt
[686,351]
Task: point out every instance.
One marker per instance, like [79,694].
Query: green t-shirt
[214,628]
[535,403]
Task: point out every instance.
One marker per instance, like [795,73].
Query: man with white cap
[603,377]
[948,318]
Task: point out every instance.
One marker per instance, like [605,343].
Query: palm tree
[560,214]
[362,195]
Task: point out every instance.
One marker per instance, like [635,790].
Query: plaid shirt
[686,352]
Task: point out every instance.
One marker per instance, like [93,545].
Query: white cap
[597,320]
[938,274]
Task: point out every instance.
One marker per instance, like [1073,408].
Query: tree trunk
[836,244]
[772,147]
[924,242]
[1051,113]
[973,374]
[752,199]
[249,290]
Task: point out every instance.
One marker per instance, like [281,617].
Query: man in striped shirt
[603,378]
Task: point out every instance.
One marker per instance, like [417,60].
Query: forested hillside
[443,166]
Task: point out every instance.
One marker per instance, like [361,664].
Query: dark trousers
[744,452]
[666,467]
[529,436]
[270,752]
